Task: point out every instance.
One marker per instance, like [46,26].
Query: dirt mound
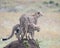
[23,44]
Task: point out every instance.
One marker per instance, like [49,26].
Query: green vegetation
[37,43]
[26,44]
[57,4]
[45,2]
[51,2]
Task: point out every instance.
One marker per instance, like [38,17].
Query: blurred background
[11,10]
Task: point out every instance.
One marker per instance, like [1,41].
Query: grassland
[11,10]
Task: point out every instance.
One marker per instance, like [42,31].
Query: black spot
[4,39]
[38,12]
[17,30]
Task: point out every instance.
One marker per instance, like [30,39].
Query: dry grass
[49,24]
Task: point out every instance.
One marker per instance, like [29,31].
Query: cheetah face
[38,14]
